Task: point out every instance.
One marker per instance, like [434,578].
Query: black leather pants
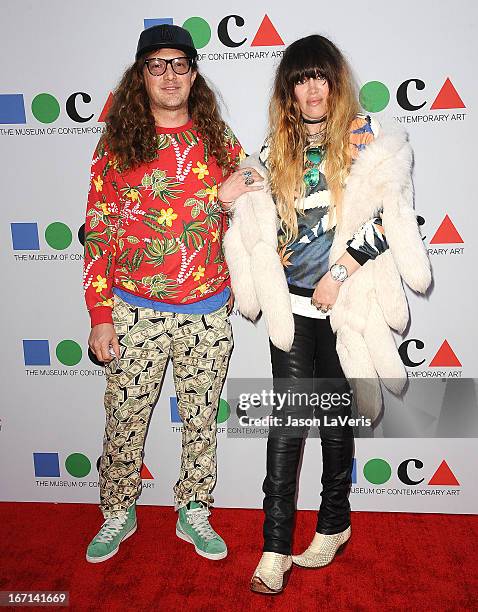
[312,359]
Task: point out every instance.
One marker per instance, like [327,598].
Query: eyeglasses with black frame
[157,65]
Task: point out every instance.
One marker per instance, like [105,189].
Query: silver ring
[246,173]
[248,180]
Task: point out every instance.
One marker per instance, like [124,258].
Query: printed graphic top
[156,231]
[306,259]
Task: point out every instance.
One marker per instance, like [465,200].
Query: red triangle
[446,233]
[445,357]
[106,108]
[447,97]
[443,476]
[145,473]
[266,35]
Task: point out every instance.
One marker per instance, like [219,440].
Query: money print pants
[200,347]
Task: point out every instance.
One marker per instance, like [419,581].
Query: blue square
[46,464]
[25,236]
[173,405]
[354,471]
[149,23]
[36,352]
[12,108]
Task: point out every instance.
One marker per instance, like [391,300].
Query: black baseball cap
[166,36]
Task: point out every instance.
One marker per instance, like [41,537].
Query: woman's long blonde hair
[305,58]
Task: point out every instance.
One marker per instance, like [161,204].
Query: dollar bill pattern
[199,347]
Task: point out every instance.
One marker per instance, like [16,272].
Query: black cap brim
[190,51]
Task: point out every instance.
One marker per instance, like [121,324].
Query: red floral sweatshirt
[156,230]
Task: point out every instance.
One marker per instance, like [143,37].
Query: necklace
[314,121]
[313,157]
[314,154]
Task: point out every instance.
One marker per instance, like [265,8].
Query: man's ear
[193,76]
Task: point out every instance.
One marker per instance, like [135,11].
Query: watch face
[338,272]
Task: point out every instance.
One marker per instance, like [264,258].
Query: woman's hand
[326,292]
[235,185]
[102,336]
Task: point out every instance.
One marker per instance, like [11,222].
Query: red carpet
[406,562]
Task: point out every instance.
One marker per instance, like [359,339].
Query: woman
[341,190]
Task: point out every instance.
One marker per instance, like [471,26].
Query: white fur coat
[372,300]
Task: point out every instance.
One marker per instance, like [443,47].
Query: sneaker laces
[110,528]
[198,519]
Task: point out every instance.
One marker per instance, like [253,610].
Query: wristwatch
[338,272]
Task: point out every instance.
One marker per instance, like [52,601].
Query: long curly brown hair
[130,128]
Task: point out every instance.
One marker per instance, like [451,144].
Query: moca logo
[68,353]
[229,31]
[375,97]
[57,235]
[377,471]
[46,108]
[447,233]
[445,357]
[223,413]
[78,465]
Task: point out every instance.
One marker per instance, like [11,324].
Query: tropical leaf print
[155,220]
[133,193]
[109,262]
[211,209]
[94,242]
[192,234]
[285,255]
[137,259]
[159,285]
[103,212]
[213,214]
[188,136]
[150,231]
[133,264]
[157,250]
[123,257]
[128,283]
[163,142]
[161,185]
[229,137]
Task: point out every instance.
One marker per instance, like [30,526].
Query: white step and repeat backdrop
[60,62]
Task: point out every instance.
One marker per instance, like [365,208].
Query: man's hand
[235,185]
[230,302]
[103,336]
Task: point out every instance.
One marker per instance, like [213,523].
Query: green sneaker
[193,526]
[107,541]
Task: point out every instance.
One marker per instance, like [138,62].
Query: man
[155,280]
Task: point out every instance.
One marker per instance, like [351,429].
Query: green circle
[58,235]
[45,108]
[69,352]
[224,411]
[78,465]
[374,96]
[199,30]
[377,471]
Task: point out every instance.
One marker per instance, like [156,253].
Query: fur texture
[372,300]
